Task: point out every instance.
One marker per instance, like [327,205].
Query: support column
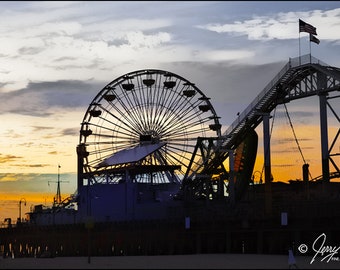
[231,177]
[322,84]
[267,164]
[81,153]
[324,137]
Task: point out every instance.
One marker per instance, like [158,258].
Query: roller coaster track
[301,77]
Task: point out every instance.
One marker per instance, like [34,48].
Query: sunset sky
[57,55]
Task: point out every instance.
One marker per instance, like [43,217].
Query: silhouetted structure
[152,180]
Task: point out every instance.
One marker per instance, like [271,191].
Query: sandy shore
[197,261]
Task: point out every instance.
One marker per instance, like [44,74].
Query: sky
[55,56]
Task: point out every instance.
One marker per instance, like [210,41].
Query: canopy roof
[131,155]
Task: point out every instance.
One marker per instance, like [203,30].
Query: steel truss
[301,77]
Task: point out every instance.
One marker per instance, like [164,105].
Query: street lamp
[22,200]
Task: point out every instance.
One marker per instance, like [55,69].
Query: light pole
[89,223]
[22,200]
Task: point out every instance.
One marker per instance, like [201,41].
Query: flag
[305,27]
[313,39]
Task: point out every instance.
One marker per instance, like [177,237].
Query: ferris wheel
[146,122]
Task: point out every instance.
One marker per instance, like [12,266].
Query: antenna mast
[57,198]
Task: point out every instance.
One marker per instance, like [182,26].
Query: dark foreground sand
[197,261]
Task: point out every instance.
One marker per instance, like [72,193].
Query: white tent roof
[130,155]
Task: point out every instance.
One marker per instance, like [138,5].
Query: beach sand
[196,261]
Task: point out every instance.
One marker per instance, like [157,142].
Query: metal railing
[293,62]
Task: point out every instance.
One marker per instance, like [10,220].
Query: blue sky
[57,55]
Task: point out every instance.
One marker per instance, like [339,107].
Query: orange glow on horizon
[9,203]
[286,164]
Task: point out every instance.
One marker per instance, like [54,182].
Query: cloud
[39,128]
[218,80]
[297,114]
[281,25]
[227,83]
[70,132]
[56,56]
[8,158]
[65,41]
[37,183]
[33,165]
[63,47]
[41,98]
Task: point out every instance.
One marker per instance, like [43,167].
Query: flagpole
[299,51]
[306,27]
[310,50]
